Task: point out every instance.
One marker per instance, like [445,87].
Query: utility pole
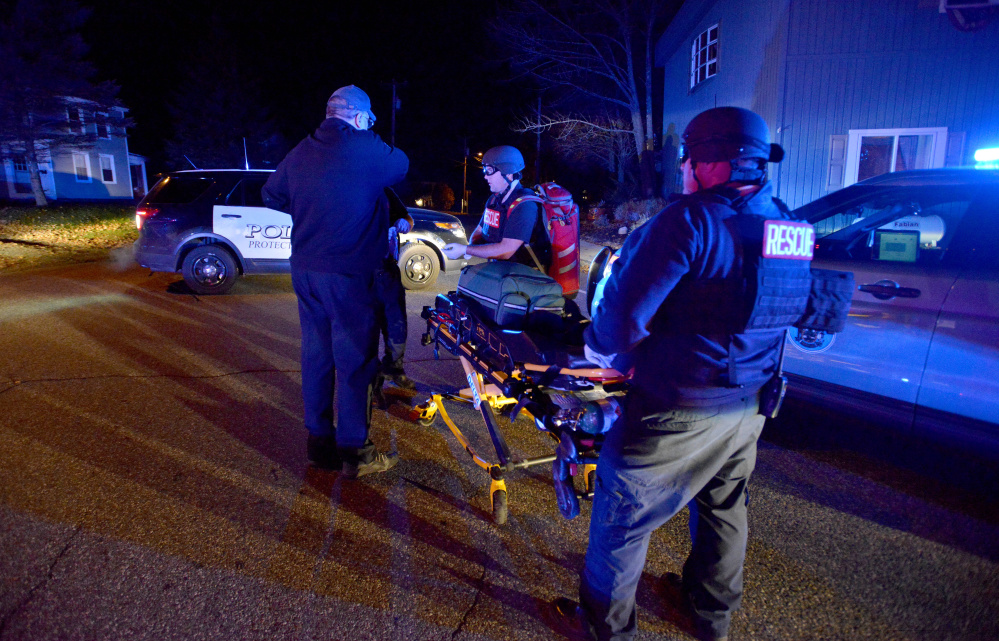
[464,179]
[396,103]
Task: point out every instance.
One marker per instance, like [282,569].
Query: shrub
[634,213]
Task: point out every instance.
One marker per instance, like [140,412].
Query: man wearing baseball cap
[332,184]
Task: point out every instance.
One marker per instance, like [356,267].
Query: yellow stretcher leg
[498,500]
[589,477]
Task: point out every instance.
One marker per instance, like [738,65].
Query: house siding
[65,176]
[64,180]
[837,66]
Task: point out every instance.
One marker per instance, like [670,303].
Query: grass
[69,226]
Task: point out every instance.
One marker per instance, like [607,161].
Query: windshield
[178,190]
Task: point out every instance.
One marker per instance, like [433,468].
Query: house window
[103,131]
[872,152]
[75,118]
[704,56]
[22,180]
[81,166]
[107,168]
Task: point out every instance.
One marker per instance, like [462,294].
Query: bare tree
[42,73]
[603,140]
[599,49]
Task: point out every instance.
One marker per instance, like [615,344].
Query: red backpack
[561,218]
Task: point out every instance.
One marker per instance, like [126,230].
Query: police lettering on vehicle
[269,231]
[492,218]
[786,239]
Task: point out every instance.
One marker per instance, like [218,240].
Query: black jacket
[332,185]
[679,361]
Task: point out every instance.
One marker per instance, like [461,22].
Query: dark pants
[651,466]
[339,336]
[392,321]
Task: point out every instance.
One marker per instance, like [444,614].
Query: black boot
[323,454]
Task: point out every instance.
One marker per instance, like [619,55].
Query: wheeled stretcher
[539,372]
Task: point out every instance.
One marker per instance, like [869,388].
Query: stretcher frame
[495,381]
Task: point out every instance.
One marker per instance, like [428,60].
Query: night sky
[455,82]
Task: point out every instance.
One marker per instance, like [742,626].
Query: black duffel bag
[511,295]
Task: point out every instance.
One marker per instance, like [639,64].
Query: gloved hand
[603,360]
[454,250]
[402,225]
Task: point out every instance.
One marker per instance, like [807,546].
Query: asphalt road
[153,485]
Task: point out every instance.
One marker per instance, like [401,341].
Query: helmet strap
[510,184]
[748,175]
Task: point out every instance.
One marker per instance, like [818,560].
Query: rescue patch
[492,218]
[786,239]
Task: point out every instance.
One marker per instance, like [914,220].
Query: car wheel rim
[209,270]
[418,268]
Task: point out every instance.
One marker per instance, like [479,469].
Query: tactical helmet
[507,159]
[729,133]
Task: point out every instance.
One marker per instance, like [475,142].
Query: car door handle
[231,216]
[888,289]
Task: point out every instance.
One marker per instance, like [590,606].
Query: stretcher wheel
[500,510]
[427,421]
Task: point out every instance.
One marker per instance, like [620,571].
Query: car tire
[210,269]
[419,266]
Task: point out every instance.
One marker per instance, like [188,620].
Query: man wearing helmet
[508,229]
[690,301]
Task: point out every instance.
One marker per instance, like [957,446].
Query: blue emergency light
[987,158]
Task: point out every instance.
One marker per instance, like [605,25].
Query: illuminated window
[81,166]
[75,118]
[704,56]
[872,152]
[107,169]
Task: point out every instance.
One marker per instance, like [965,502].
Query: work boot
[680,597]
[322,453]
[381,462]
[567,620]
[402,381]
[397,375]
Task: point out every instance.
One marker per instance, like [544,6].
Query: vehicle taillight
[142,214]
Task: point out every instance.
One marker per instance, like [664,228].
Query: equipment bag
[509,294]
[561,220]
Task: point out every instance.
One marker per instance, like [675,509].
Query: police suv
[920,351]
[212,226]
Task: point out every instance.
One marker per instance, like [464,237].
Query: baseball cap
[353,98]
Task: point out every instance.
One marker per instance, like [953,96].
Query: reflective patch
[492,218]
[785,239]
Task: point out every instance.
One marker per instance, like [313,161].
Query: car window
[901,226]
[174,190]
[247,193]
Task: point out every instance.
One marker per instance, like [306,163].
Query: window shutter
[837,162]
[955,149]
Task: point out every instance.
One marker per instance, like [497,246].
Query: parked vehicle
[212,226]
[920,351]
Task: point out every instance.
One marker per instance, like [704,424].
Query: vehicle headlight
[455,227]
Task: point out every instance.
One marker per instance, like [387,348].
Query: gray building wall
[815,69]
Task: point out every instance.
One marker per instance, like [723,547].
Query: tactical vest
[771,291]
